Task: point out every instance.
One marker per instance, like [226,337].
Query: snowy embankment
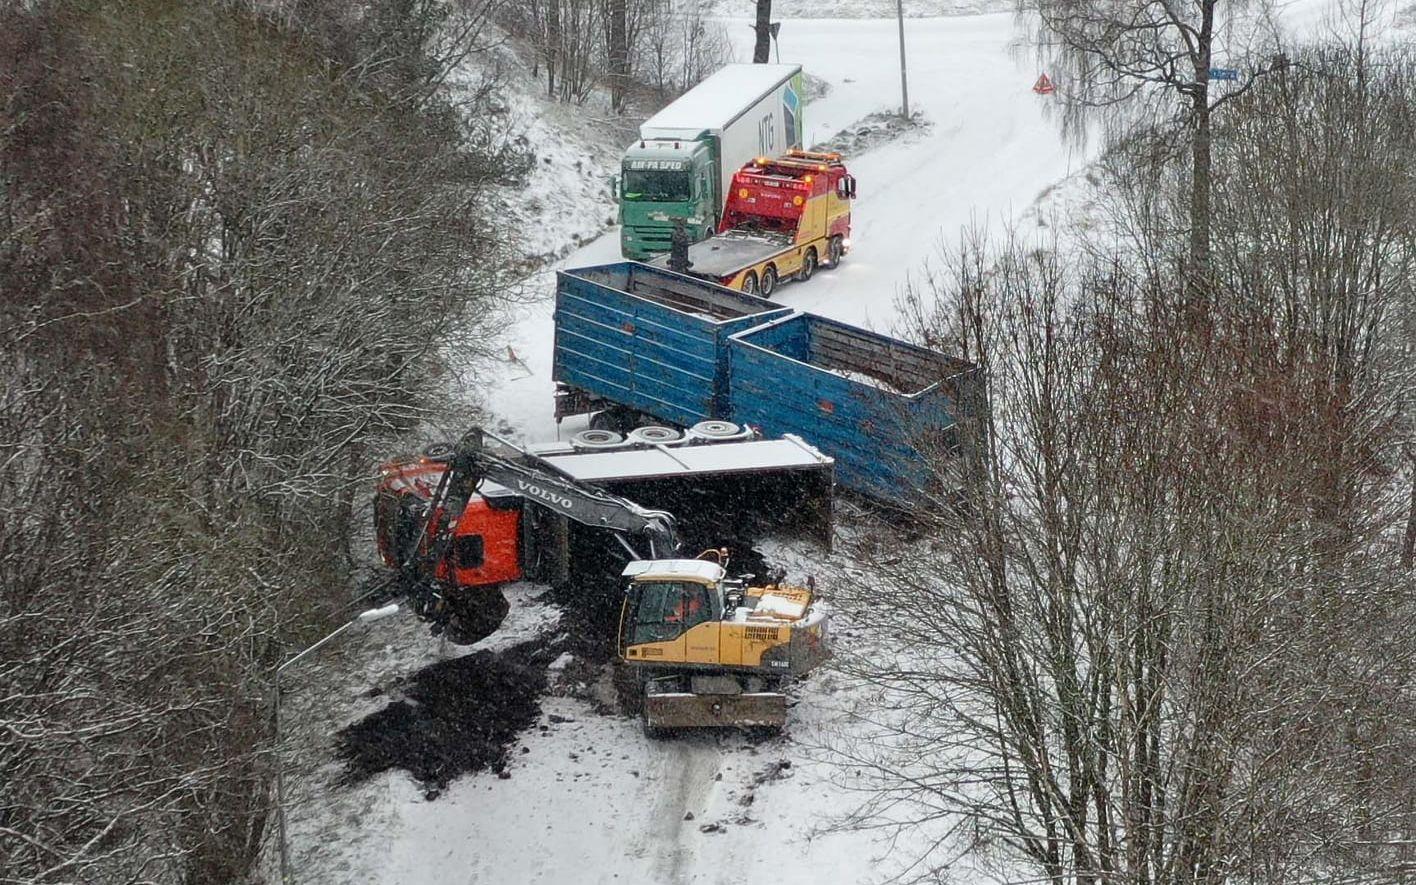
[566,199]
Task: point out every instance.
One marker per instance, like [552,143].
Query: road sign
[1224,73]
[1044,86]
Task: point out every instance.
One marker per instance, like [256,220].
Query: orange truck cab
[486,542]
[785,217]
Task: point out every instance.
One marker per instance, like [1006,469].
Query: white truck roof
[717,101]
[675,569]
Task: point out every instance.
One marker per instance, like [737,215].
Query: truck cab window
[647,186]
[470,551]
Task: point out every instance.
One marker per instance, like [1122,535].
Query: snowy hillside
[566,200]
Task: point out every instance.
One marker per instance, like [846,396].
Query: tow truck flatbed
[785,217]
[728,254]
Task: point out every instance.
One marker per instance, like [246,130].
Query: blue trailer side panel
[884,409]
[650,339]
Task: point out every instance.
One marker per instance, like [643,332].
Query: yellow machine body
[713,652]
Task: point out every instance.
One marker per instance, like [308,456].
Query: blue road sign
[1224,73]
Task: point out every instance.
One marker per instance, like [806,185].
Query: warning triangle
[1044,86]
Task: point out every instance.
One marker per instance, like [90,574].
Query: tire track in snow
[687,765]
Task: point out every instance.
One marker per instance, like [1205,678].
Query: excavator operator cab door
[661,615]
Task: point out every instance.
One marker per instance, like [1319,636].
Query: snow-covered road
[991,149]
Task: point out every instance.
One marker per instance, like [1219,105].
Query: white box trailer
[687,153]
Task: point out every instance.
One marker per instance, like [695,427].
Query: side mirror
[615,186]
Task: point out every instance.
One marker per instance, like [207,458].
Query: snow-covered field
[588,798]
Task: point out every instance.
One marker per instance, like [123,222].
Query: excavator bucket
[670,710]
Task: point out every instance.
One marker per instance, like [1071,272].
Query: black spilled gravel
[455,717]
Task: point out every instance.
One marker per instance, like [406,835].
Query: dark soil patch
[455,717]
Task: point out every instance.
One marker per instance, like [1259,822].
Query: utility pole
[904,85]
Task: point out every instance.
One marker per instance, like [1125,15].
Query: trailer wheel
[808,265]
[769,280]
[749,283]
[597,439]
[834,250]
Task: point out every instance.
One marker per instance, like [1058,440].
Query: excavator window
[470,550]
[665,609]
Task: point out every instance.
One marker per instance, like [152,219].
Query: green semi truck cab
[686,154]
[663,179]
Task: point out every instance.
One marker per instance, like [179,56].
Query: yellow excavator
[710,650]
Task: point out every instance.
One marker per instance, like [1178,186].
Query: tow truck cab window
[470,550]
[665,609]
[654,186]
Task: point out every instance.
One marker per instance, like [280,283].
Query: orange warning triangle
[1044,86]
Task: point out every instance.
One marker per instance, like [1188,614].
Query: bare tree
[1117,58]
[1167,640]
[221,291]
[680,47]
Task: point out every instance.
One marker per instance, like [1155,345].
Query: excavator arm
[469,465]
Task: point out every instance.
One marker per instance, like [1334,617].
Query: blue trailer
[642,342]
[633,340]
[887,411]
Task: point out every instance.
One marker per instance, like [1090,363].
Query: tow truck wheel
[834,251]
[749,283]
[769,280]
[808,265]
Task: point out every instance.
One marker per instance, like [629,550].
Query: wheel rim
[808,266]
[749,284]
[769,281]
[654,433]
[716,429]
[596,439]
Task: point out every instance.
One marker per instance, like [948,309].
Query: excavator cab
[712,651]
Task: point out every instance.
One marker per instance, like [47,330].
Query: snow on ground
[336,829]
[566,199]
[589,799]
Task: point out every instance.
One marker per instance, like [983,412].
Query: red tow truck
[785,217]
